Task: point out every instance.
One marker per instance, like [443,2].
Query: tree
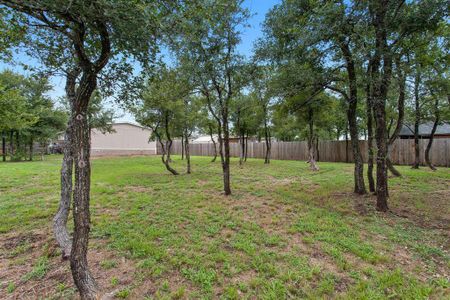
[15,112]
[207,125]
[206,47]
[392,22]
[79,38]
[260,84]
[327,36]
[166,108]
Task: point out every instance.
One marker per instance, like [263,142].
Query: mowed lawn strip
[285,232]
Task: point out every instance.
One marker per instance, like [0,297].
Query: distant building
[205,139]
[442,131]
[126,139]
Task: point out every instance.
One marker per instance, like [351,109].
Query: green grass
[285,232]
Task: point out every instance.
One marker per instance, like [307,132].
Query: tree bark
[416,120]
[346,144]
[352,100]
[11,144]
[311,148]
[401,114]
[381,80]
[369,115]
[4,146]
[433,131]
[246,147]
[182,147]
[226,146]
[188,155]
[80,144]
[241,137]
[166,149]
[267,138]
[214,143]
[31,149]
[60,220]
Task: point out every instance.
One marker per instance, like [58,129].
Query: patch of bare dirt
[20,253]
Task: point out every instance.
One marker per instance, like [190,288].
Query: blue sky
[257,8]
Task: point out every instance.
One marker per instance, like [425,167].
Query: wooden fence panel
[401,152]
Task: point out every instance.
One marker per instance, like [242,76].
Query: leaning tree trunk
[433,131]
[169,148]
[164,153]
[416,121]
[214,143]
[60,220]
[401,114]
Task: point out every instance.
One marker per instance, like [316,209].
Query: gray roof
[425,129]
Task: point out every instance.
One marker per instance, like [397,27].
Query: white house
[126,139]
[205,139]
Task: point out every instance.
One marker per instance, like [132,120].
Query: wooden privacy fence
[402,151]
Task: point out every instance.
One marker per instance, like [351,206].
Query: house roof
[205,139]
[425,129]
[131,124]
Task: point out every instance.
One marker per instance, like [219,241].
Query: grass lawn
[285,232]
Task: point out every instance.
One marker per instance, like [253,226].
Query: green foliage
[27,114]
[167,105]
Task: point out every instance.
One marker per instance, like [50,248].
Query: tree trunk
[433,131]
[188,156]
[346,144]
[31,149]
[241,137]
[369,115]
[352,100]
[18,142]
[401,114]
[311,148]
[11,144]
[182,147]
[226,147]
[416,120]
[60,220]
[167,160]
[246,147]
[268,141]
[80,146]
[4,146]
[214,143]
[381,79]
